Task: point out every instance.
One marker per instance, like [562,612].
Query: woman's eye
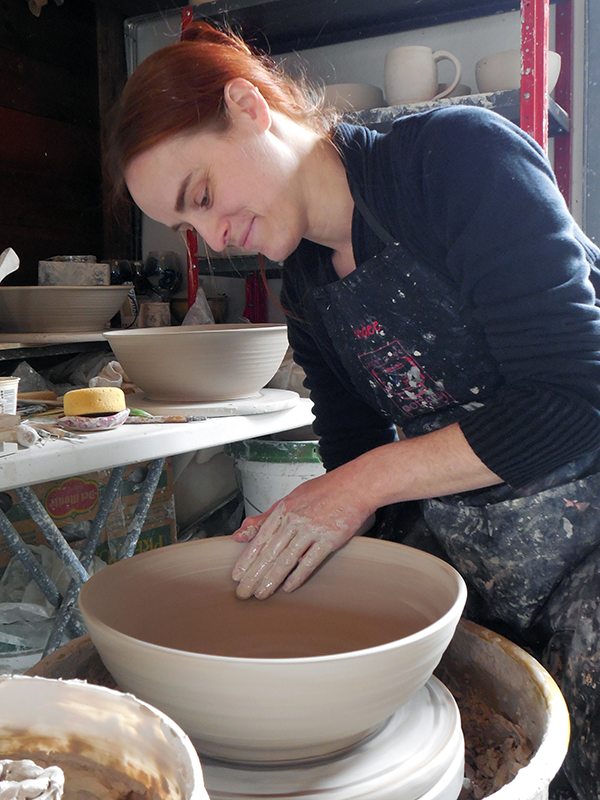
[205,202]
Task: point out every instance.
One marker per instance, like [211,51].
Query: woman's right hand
[290,540]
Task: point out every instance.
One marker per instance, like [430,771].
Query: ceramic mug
[501,71]
[411,74]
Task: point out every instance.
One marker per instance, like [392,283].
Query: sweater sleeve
[502,231]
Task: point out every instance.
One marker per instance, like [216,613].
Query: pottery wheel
[418,754]
[264,402]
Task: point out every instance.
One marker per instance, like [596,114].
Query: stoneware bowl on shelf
[200,363]
[501,71]
[59,309]
[297,676]
[353,96]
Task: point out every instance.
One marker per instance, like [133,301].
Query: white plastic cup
[8,395]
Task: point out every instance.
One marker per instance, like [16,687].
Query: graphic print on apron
[404,380]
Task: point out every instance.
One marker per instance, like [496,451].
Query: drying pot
[201,363]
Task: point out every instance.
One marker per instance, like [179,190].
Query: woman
[435,283]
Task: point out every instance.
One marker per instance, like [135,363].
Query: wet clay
[87,780]
[206,617]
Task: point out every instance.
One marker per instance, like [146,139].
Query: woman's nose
[216,235]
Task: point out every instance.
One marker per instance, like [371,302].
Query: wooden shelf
[505,103]
[283,26]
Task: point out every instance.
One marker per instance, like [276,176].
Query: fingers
[308,564]
[264,535]
[250,527]
[279,569]
[270,558]
[245,534]
[300,557]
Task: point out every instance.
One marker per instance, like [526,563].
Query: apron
[413,349]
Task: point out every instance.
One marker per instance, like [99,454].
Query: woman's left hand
[291,539]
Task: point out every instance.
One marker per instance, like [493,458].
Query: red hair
[180,88]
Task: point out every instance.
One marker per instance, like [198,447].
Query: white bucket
[8,395]
[271,469]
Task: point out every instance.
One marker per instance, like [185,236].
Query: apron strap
[369,217]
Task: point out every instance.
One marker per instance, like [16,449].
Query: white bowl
[200,363]
[296,676]
[501,71]
[58,309]
[90,730]
[353,96]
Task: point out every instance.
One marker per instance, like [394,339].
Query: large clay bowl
[295,676]
[59,309]
[200,363]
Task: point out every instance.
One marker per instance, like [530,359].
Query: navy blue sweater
[472,196]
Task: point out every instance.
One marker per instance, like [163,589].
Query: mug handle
[440,55]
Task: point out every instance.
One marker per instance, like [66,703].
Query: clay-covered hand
[291,539]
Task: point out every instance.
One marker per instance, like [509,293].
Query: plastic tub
[271,469]
[515,685]
[97,734]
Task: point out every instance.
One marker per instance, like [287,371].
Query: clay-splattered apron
[414,350]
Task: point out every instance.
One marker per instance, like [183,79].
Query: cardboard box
[72,503]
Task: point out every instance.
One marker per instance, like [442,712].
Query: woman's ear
[244,100]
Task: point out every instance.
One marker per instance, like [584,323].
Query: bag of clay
[199,313]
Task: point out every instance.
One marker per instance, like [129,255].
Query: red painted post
[535,28]
[256,309]
[563,94]
[187,17]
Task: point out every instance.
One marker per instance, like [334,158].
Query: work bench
[114,450]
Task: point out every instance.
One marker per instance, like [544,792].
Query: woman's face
[240,188]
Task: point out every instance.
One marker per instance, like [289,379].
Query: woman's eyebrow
[181,195]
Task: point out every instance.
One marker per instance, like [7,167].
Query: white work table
[131,444]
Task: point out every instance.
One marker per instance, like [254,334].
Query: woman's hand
[295,535]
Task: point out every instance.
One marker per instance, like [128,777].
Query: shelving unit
[284,26]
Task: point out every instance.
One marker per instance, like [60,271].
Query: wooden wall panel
[119,239]
[63,36]
[45,90]
[50,177]
[44,146]
[48,241]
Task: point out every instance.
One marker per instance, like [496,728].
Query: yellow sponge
[98,401]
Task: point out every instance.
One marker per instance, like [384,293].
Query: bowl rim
[441,622]
[211,328]
[120,288]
